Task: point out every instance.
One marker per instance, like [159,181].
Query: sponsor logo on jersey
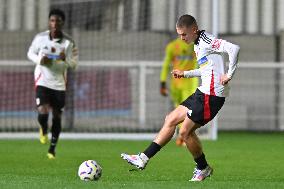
[202,60]
[53,50]
[184,57]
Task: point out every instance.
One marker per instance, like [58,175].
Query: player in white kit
[53,52]
[204,104]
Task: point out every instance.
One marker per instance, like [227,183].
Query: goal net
[123,97]
[121,45]
[102,97]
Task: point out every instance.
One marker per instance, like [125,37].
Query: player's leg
[42,103]
[163,137]
[175,95]
[202,109]
[202,170]
[184,94]
[58,104]
[177,99]
[166,133]
[43,122]
[55,132]
[187,132]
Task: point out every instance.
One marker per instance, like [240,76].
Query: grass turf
[240,160]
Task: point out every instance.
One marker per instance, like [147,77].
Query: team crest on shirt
[216,43]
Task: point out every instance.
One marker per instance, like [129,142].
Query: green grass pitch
[240,160]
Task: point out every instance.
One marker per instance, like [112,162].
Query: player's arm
[71,58]
[186,74]
[232,50]
[34,56]
[165,71]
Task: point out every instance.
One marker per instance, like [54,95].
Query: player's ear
[195,29]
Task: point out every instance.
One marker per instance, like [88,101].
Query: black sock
[152,149]
[43,121]
[55,131]
[53,143]
[201,162]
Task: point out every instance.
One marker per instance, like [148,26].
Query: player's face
[187,34]
[55,23]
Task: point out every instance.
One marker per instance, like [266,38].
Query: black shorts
[202,107]
[54,98]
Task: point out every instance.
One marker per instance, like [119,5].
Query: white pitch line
[83,136]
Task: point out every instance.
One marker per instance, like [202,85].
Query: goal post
[215,32]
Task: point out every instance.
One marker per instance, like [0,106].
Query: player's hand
[177,74]
[62,55]
[163,89]
[45,61]
[225,79]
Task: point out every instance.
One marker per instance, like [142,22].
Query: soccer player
[204,104]
[181,56]
[53,52]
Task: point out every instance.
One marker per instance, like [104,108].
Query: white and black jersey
[52,76]
[209,51]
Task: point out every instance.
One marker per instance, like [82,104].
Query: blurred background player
[180,56]
[53,52]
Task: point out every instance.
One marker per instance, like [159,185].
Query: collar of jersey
[196,42]
[58,40]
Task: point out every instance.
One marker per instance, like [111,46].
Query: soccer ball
[90,170]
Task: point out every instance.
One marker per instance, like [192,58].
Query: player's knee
[43,109]
[171,120]
[184,134]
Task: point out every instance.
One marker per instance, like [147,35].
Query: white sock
[144,157]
